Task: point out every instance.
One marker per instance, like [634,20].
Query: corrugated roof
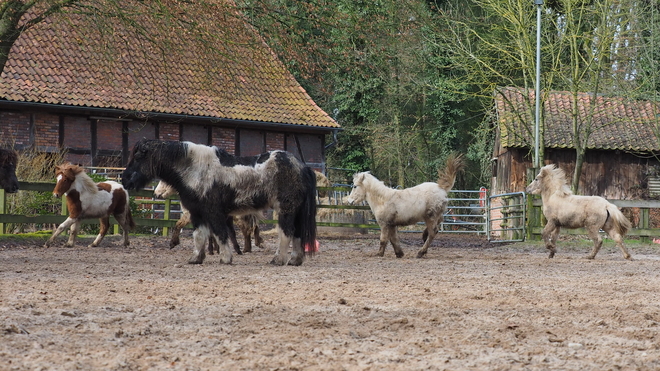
[69,60]
[618,123]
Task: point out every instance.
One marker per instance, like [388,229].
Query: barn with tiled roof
[95,90]
[621,149]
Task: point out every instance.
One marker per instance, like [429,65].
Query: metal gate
[506,217]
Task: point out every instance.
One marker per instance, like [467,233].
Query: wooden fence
[143,198]
[644,229]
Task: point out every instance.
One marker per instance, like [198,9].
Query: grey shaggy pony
[213,185]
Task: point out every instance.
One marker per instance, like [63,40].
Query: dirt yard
[469,305]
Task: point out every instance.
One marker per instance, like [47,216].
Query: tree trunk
[579,161]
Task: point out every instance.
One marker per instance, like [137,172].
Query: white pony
[564,209]
[424,202]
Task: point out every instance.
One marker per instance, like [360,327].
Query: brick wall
[224,138]
[168,131]
[196,133]
[274,141]
[84,160]
[15,128]
[47,132]
[77,133]
[109,135]
[138,130]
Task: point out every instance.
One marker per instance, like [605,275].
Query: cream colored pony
[392,208]
[564,209]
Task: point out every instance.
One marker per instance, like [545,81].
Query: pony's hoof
[277,260]
[295,262]
[173,245]
[46,245]
[196,260]
[399,256]
[591,257]
[551,255]
[419,255]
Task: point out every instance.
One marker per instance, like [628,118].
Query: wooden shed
[621,158]
[94,92]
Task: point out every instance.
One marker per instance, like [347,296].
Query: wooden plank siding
[611,174]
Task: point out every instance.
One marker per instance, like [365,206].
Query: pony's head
[148,160]
[358,193]
[551,178]
[66,176]
[322,181]
[8,162]
[163,190]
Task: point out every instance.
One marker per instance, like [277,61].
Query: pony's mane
[79,173]
[8,156]
[555,178]
[380,190]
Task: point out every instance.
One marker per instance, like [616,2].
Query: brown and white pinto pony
[8,162]
[214,185]
[248,225]
[562,208]
[399,207]
[87,199]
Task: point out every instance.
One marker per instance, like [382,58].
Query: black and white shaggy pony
[425,202]
[248,225]
[8,162]
[563,209]
[213,185]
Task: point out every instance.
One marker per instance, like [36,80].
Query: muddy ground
[469,305]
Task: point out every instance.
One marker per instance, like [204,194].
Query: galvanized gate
[506,217]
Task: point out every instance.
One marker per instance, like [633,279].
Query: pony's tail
[307,213]
[131,222]
[447,177]
[621,223]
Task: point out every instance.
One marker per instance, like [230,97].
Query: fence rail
[466,211]
[644,230]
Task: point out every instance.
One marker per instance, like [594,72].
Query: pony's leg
[297,253]
[223,249]
[430,235]
[257,238]
[618,238]
[125,228]
[73,233]
[549,235]
[384,239]
[213,247]
[597,239]
[245,226]
[282,253]
[200,238]
[232,236]
[61,228]
[396,243]
[175,241]
[286,230]
[103,229]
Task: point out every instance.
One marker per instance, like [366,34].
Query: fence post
[166,215]
[533,217]
[644,221]
[3,209]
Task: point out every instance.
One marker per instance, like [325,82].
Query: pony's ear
[546,170]
[358,177]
